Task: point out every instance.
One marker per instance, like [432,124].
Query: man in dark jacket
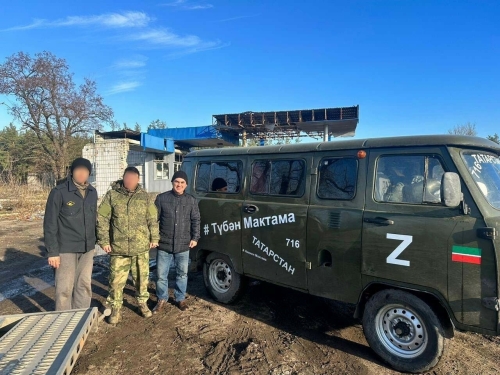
[179,219]
[69,228]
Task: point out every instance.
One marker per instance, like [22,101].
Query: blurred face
[81,175]
[223,189]
[179,185]
[130,180]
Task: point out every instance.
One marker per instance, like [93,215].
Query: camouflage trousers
[119,270]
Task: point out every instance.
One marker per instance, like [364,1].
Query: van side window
[337,178]
[219,177]
[261,171]
[278,177]
[203,177]
[414,179]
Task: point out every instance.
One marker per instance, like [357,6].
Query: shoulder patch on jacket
[104,210]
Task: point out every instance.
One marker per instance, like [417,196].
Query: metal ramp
[44,343]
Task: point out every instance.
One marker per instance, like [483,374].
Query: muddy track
[270,330]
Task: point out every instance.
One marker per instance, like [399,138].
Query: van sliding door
[334,225]
[274,219]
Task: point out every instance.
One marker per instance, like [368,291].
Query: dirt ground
[270,330]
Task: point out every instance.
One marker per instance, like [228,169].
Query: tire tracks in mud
[224,338]
[237,344]
[224,356]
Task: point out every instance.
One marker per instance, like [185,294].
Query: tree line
[21,153]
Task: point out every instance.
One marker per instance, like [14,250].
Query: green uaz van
[405,228]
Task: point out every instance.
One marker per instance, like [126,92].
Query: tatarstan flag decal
[466,254]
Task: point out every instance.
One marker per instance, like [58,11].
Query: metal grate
[44,343]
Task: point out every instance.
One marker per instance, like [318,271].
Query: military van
[405,228]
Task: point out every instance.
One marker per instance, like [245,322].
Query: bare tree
[47,102]
[465,129]
[114,125]
[494,138]
[157,124]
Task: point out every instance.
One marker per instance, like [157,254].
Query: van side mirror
[451,190]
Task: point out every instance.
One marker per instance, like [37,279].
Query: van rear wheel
[221,280]
[403,330]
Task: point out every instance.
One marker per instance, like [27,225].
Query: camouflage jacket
[127,221]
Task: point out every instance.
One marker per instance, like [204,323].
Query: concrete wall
[136,158]
[110,157]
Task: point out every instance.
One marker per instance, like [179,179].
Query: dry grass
[21,201]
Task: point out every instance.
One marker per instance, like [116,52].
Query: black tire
[403,330]
[221,280]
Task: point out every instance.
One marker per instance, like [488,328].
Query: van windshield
[485,170]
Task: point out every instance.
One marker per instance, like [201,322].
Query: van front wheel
[403,330]
[221,280]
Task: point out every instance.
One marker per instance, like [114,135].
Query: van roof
[421,140]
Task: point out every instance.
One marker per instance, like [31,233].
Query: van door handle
[250,209]
[379,221]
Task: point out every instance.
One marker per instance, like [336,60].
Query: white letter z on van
[392,258]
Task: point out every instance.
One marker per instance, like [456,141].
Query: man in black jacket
[69,228]
[179,219]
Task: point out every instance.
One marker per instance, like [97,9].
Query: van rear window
[337,178]
[278,177]
[219,177]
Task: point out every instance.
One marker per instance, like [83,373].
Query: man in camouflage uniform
[127,228]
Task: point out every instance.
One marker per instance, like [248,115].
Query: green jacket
[128,221]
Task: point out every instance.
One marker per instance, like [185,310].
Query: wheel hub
[220,275]
[401,331]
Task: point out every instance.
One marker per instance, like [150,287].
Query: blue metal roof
[155,144]
[197,136]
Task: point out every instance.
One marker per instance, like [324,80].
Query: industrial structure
[158,153]
[273,126]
